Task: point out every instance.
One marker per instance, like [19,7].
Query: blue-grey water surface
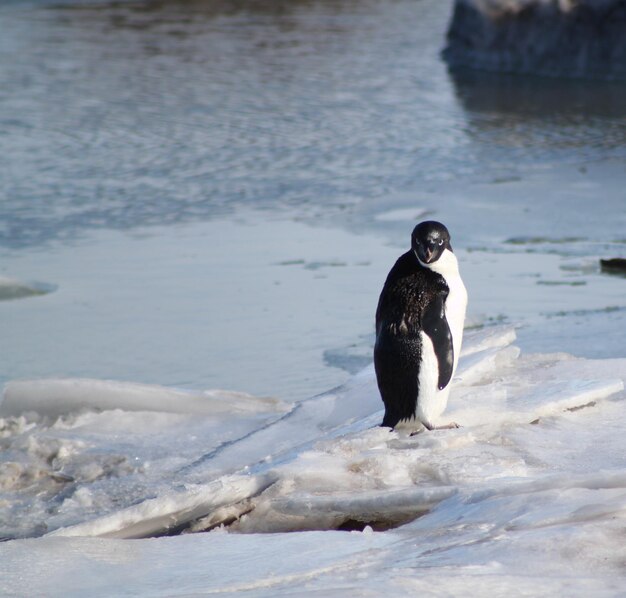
[123,123]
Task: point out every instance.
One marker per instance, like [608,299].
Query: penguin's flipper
[435,325]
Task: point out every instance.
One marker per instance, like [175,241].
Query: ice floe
[11,288]
[53,397]
[533,484]
[329,464]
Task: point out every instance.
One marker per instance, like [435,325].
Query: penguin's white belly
[456,304]
[431,402]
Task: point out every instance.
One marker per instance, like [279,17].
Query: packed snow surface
[529,495]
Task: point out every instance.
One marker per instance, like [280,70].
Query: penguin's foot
[450,426]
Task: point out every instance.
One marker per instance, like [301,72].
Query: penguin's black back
[408,292]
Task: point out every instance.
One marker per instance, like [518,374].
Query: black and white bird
[419,330]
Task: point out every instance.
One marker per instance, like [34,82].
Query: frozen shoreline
[540,457]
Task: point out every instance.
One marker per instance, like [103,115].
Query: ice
[74,449]
[191,565]
[153,516]
[381,508]
[402,215]
[329,446]
[489,338]
[528,496]
[11,288]
[566,38]
[50,397]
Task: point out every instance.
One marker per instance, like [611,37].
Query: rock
[616,265]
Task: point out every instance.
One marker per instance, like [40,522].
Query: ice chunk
[379,508]
[487,338]
[481,364]
[402,215]
[159,515]
[10,288]
[51,397]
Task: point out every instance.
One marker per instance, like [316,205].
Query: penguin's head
[429,240]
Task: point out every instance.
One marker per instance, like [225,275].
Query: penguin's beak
[425,253]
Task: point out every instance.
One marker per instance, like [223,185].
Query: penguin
[419,330]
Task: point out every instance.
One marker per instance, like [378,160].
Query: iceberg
[565,38]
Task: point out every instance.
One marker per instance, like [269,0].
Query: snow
[527,497]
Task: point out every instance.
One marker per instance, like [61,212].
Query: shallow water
[247,304]
[130,113]
[134,113]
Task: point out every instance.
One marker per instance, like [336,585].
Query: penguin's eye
[440,242]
